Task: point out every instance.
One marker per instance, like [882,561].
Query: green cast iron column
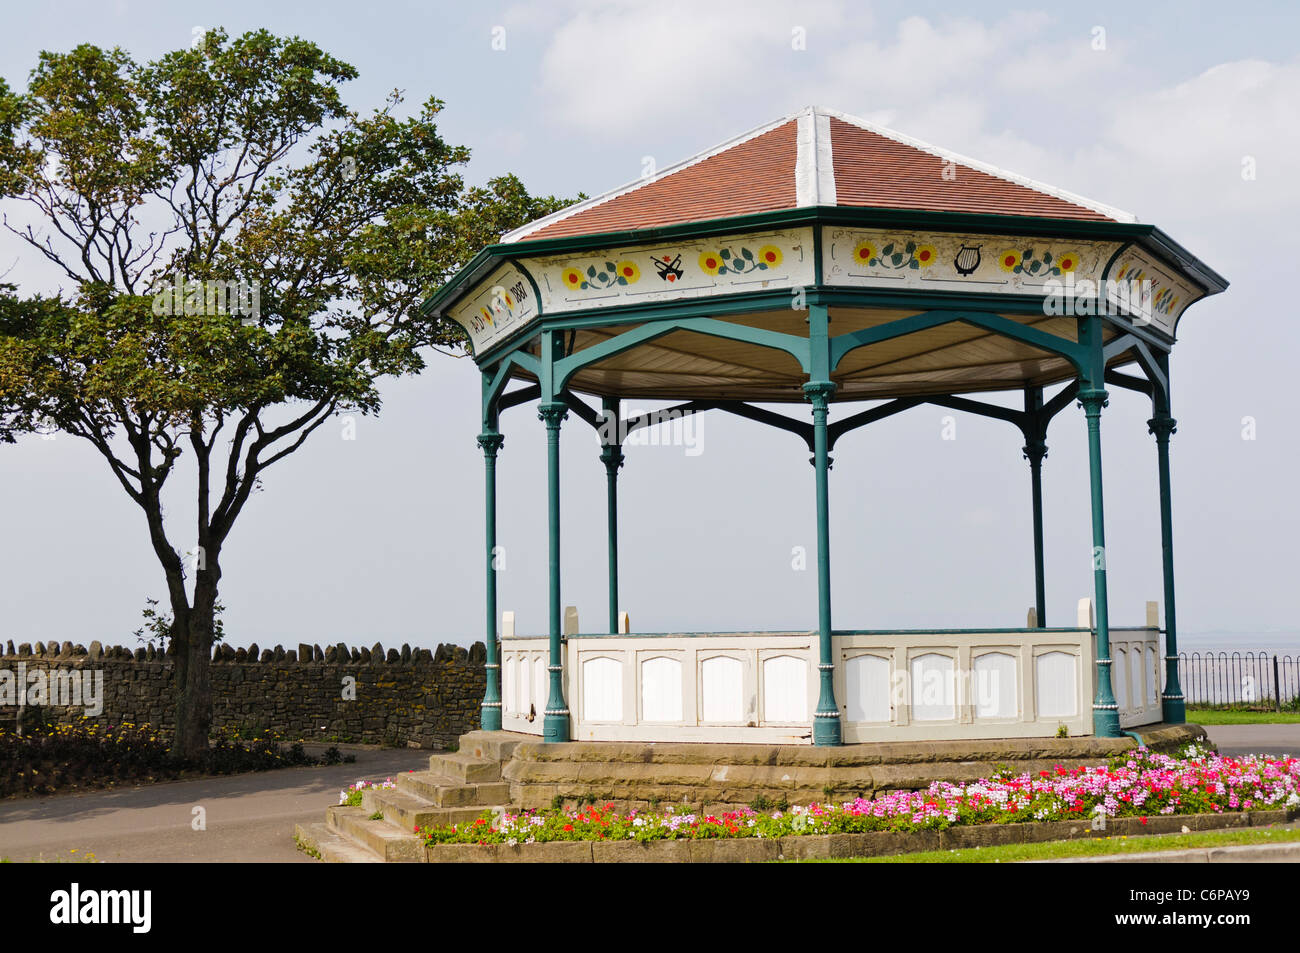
[555,724]
[490,718]
[826,720]
[612,456]
[1173,706]
[1035,450]
[1105,712]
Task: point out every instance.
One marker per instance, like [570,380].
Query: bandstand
[822,260]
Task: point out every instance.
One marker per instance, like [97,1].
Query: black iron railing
[1239,678]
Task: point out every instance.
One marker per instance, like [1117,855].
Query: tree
[246,256]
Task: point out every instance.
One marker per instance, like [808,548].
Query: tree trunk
[193,638]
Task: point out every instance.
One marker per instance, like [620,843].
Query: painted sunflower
[925,255]
[770,256]
[1008,260]
[627,271]
[572,279]
[711,262]
[1068,261]
[863,252]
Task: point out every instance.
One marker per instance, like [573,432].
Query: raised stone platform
[718,776]
[508,770]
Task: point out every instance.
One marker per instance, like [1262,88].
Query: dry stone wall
[339,693]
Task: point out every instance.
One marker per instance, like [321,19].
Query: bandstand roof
[875,224]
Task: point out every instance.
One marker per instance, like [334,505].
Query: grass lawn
[1007,853]
[1239,716]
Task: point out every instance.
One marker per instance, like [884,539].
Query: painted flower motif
[924,255]
[711,262]
[628,272]
[1008,260]
[487,315]
[572,279]
[1068,261]
[863,252]
[770,256]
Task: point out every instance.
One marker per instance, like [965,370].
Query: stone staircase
[458,787]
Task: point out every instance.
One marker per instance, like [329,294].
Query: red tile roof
[815,157]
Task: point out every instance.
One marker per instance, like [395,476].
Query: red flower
[568,827]
[1142,819]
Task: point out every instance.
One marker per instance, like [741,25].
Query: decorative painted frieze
[931,261]
[673,271]
[496,308]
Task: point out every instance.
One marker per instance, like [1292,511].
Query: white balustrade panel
[602,689]
[540,685]
[1152,676]
[867,681]
[1056,693]
[785,689]
[661,689]
[509,704]
[722,689]
[994,686]
[933,688]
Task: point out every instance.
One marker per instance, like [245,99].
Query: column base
[826,729]
[490,716]
[1174,710]
[1105,722]
[555,728]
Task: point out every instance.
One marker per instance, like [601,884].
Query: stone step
[384,839]
[443,791]
[463,766]
[406,811]
[332,847]
[493,745]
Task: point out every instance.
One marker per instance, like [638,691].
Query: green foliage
[245,256]
[51,758]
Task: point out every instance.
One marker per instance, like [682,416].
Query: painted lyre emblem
[967,260]
[669,270]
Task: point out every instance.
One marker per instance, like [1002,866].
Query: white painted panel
[933,688]
[602,689]
[1056,688]
[1119,677]
[509,703]
[540,685]
[1152,667]
[994,686]
[1136,683]
[661,689]
[866,680]
[785,689]
[722,689]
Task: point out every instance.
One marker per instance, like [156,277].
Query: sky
[1180,113]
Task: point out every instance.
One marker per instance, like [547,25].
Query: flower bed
[352,796]
[49,758]
[1140,785]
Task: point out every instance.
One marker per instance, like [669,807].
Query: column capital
[1163,426]
[612,455]
[819,393]
[553,413]
[490,443]
[1093,400]
[1034,450]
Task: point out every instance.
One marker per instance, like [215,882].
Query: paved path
[1274,740]
[250,817]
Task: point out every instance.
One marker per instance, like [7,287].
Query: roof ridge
[1120,215]
[578,207]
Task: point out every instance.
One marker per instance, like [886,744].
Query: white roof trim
[825,162]
[815,170]
[806,179]
[521,233]
[1108,210]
